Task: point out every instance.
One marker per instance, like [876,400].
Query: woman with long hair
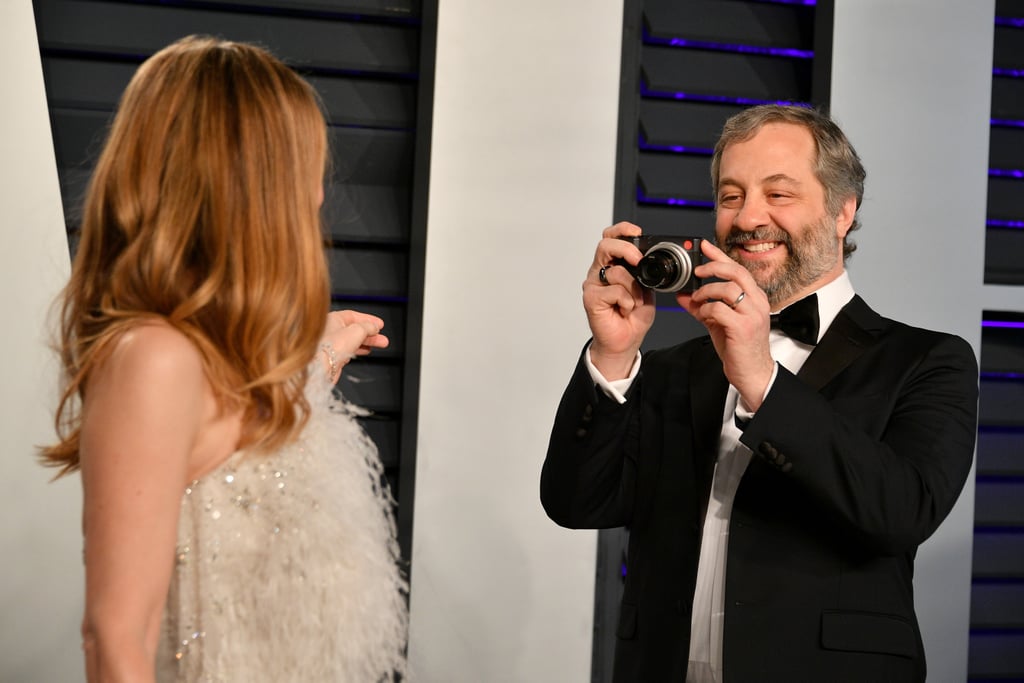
[235,523]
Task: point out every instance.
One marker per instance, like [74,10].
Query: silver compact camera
[667,263]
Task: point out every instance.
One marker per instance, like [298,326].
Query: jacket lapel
[708,389]
[850,334]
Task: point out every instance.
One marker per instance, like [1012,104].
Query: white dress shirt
[708,614]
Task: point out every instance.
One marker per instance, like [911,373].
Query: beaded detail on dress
[286,567]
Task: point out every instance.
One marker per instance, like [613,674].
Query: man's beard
[809,257]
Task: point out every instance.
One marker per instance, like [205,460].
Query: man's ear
[845,218]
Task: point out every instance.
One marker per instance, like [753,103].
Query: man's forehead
[777,149]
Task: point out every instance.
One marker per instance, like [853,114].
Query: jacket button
[581,432]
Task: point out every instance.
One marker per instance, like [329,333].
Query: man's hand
[736,313]
[619,310]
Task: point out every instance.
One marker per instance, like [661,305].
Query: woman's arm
[142,417]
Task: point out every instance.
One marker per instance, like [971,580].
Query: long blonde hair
[203,211]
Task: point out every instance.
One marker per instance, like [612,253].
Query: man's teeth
[761,246]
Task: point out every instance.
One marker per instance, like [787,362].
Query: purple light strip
[717,99]
[678,149]
[1004,224]
[1002,375]
[1008,580]
[641,198]
[1007,73]
[1013,22]
[997,529]
[1003,323]
[1005,173]
[999,478]
[1006,123]
[791,53]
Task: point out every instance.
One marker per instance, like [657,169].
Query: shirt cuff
[614,389]
[743,413]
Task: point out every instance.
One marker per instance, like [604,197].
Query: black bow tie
[799,321]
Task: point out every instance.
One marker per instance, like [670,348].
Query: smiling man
[778,474]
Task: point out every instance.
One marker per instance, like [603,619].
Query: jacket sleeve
[886,457]
[589,473]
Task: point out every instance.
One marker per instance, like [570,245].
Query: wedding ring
[740,298]
[601,275]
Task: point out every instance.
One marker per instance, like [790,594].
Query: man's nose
[752,215]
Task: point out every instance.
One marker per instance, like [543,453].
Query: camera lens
[665,267]
[657,270]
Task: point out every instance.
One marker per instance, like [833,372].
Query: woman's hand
[350,334]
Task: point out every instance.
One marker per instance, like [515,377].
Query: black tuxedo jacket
[856,462]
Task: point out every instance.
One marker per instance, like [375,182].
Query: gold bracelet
[332,361]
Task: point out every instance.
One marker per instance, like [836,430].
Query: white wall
[41,577]
[522,173]
[911,85]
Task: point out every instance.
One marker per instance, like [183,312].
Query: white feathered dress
[287,565]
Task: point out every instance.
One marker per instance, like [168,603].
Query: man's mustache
[737,238]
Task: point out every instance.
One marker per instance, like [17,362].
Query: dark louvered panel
[371,185]
[999,452]
[1002,402]
[999,554]
[678,72]
[999,502]
[1007,51]
[1003,341]
[391,9]
[689,127]
[1005,204]
[997,604]
[676,220]
[783,27]
[996,655]
[367,102]
[364,273]
[997,594]
[1006,143]
[1007,101]
[681,178]
[385,433]
[129,29]
[1004,249]
[1004,236]
[375,386]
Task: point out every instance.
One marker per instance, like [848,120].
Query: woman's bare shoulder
[154,351]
